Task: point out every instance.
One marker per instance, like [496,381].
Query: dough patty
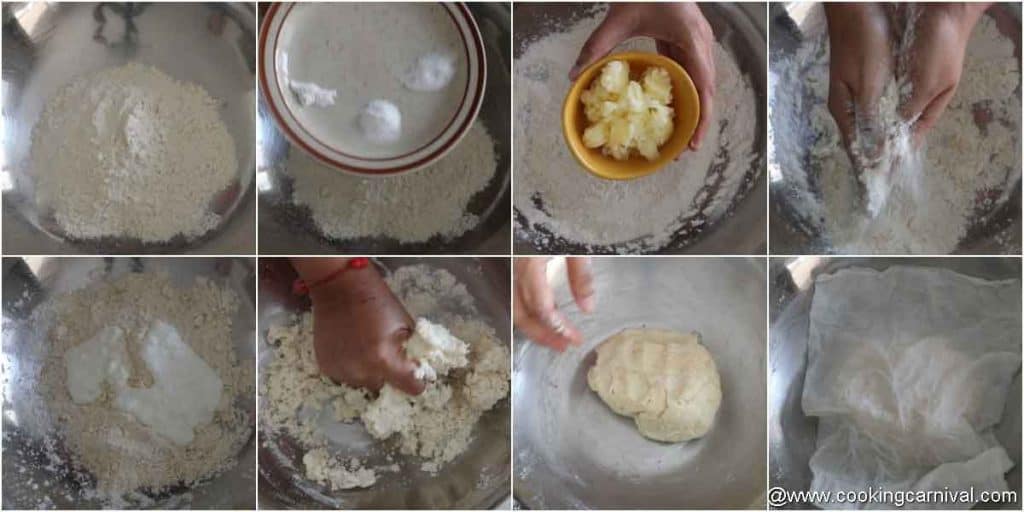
[666,380]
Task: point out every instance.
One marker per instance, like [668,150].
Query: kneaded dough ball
[666,380]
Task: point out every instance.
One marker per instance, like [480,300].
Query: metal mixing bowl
[48,44]
[289,229]
[30,479]
[477,479]
[740,28]
[573,452]
[792,434]
[997,232]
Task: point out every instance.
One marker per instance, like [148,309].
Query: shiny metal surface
[477,479]
[740,28]
[573,452]
[792,435]
[998,232]
[28,475]
[47,44]
[288,229]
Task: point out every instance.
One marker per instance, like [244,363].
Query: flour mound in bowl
[410,207]
[130,152]
[135,418]
[464,363]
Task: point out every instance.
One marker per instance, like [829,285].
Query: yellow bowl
[684,101]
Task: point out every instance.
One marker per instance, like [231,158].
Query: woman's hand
[860,66]
[936,60]
[682,34]
[534,309]
[359,326]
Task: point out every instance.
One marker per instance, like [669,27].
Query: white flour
[436,426]
[130,152]
[969,168]
[411,207]
[555,194]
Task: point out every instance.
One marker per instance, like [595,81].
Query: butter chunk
[628,117]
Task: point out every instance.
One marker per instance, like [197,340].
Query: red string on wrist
[299,287]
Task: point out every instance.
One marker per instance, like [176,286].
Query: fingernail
[587,304]
[574,71]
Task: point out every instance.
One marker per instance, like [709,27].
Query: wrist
[963,14]
[333,278]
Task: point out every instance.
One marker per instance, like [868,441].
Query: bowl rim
[456,128]
[586,77]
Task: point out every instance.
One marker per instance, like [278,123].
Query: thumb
[402,375]
[840,104]
[925,110]
[612,31]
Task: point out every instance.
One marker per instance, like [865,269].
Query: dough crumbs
[436,426]
[127,460]
[327,470]
[411,207]
[131,152]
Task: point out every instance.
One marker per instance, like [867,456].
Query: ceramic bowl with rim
[300,25]
[684,101]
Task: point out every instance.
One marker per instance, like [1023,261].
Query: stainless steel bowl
[793,435]
[997,232]
[740,28]
[289,229]
[573,452]
[32,481]
[47,44]
[477,479]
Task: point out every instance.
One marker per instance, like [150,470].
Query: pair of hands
[862,62]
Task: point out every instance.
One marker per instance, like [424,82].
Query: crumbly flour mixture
[469,366]
[969,164]
[116,434]
[556,196]
[131,152]
[411,207]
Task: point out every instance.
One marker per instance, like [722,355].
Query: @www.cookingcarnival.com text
[780,496]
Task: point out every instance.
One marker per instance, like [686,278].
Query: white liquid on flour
[185,391]
[364,51]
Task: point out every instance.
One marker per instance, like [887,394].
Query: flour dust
[915,202]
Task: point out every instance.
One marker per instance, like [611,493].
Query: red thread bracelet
[299,287]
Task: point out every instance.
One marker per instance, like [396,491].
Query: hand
[936,61]
[534,309]
[682,34]
[359,326]
[860,66]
